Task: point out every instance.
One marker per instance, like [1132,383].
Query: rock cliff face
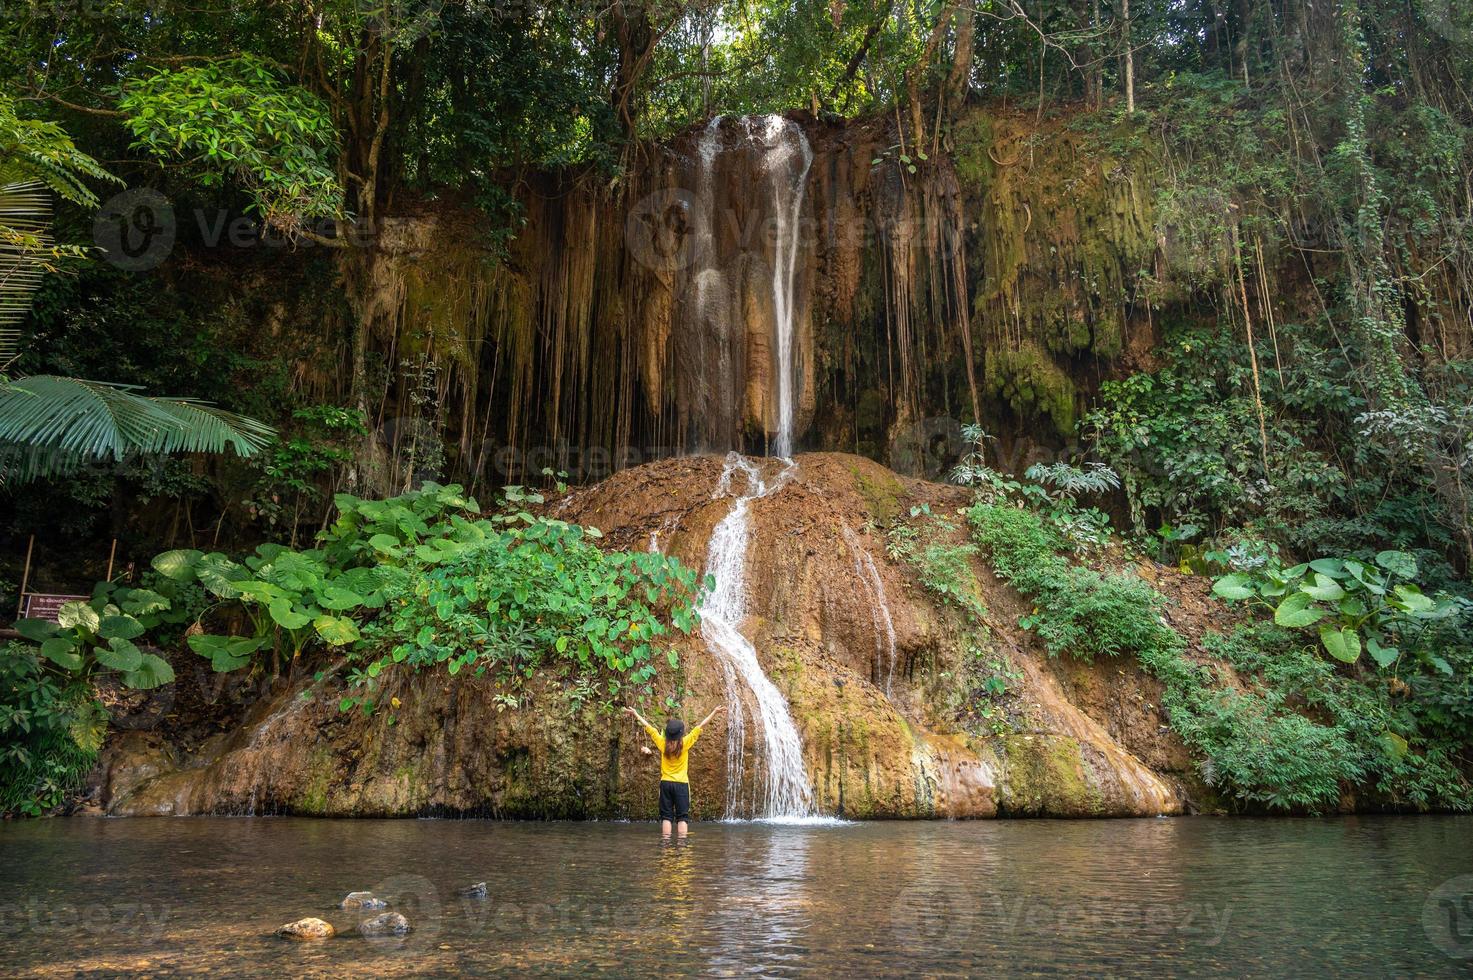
[882,683]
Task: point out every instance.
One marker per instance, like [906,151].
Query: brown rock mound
[887,731]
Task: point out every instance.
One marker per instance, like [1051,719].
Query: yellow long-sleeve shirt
[674,769]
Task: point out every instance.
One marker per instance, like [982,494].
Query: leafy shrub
[97,635]
[944,567]
[1354,605]
[530,589]
[50,730]
[1295,738]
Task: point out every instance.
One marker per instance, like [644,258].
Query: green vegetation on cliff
[1276,726]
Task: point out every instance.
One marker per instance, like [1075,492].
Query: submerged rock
[362,900]
[307,929]
[386,924]
[478,890]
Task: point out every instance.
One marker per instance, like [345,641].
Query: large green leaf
[1408,598]
[120,627]
[219,574]
[63,652]
[336,631]
[1234,586]
[1398,563]
[285,616]
[143,602]
[1323,588]
[226,653]
[1342,644]
[1384,656]
[77,613]
[153,671]
[1298,610]
[177,565]
[121,655]
[36,630]
[338,598]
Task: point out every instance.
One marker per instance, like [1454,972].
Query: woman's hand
[631,712]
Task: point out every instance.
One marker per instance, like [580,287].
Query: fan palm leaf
[51,425]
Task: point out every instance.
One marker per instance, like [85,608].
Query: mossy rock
[1032,384]
[1046,774]
[971,138]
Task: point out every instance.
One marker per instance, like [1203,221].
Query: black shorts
[674,800]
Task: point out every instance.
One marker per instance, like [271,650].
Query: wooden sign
[42,605]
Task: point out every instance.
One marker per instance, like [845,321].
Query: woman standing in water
[674,747]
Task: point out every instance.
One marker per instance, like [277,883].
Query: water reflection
[1214,897]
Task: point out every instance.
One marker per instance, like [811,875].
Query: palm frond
[50,426]
[25,248]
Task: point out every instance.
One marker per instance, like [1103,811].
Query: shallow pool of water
[1354,896]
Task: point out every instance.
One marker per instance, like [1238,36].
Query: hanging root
[1009,163]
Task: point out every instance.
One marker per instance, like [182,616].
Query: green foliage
[293,469]
[51,426]
[41,151]
[1353,605]
[1079,611]
[1052,490]
[97,636]
[50,730]
[421,580]
[238,118]
[532,589]
[1288,733]
[1386,734]
[943,565]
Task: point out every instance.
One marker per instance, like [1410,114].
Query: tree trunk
[1129,57]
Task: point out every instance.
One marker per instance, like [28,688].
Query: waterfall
[779,165]
[785,791]
[786,161]
[869,575]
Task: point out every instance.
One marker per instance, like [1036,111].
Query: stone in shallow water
[387,924]
[478,890]
[306,929]
[362,900]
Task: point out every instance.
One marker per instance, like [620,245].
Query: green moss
[972,137]
[1031,383]
[1047,774]
[882,492]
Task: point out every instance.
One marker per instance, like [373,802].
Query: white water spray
[785,792]
[788,158]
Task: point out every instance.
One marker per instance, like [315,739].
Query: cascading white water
[786,162]
[785,792]
[867,573]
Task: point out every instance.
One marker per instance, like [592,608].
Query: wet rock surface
[386,924]
[307,930]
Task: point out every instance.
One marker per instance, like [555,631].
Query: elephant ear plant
[1355,606]
[289,598]
[97,636]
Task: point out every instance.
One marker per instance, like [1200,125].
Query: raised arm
[714,712]
[631,712]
